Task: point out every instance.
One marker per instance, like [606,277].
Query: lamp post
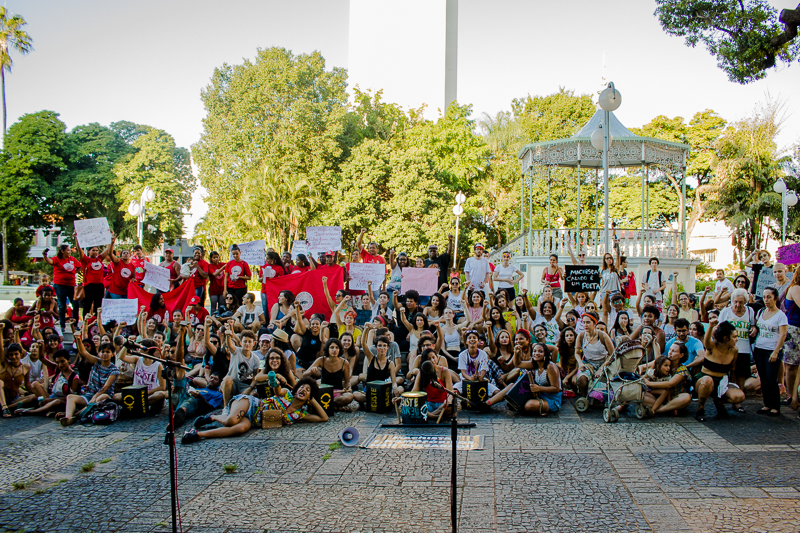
[609,100]
[788,199]
[137,209]
[458,210]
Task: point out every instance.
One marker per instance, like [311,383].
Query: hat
[330,253]
[194,300]
[402,254]
[265,337]
[478,245]
[168,250]
[280,335]
[432,246]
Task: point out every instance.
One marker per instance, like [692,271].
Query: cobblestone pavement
[568,472]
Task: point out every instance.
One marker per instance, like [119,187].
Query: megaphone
[349,436]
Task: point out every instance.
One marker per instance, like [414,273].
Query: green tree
[745,36]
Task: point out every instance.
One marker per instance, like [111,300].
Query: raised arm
[331,301]
[299,323]
[401,312]
[109,251]
[571,253]
[360,242]
[675,288]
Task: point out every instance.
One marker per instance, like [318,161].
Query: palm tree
[11,37]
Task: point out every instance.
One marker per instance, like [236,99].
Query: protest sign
[156,276]
[582,278]
[93,232]
[361,273]
[789,254]
[324,238]
[120,311]
[299,247]
[764,279]
[423,280]
[252,252]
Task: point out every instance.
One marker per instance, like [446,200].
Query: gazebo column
[641,211]
[596,206]
[530,213]
[549,215]
[578,212]
[522,204]
[683,212]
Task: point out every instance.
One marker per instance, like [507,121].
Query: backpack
[660,279]
[100,413]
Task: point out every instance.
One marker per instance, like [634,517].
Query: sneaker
[190,437]
[700,416]
[201,421]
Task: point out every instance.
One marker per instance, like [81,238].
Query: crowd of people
[258,362]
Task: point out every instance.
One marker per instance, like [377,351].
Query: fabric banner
[307,289]
[423,280]
[177,298]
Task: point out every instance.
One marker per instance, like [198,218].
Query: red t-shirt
[64,270]
[235,269]
[161,317]
[92,270]
[367,257]
[200,281]
[298,270]
[265,274]
[40,287]
[197,317]
[138,267]
[215,282]
[121,275]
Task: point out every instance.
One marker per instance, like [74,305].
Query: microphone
[119,340]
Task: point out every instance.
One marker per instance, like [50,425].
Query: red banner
[175,299]
[307,289]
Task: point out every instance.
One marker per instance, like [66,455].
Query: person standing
[237,273]
[441,262]
[174,268]
[370,254]
[198,272]
[121,271]
[772,325]
[654,283]
[64,268]
[477,271]
[216,281]
[137,261]
[506,276]
[93,287]
[552,275]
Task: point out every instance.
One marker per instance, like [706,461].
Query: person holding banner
[64,268]
[121,271]
[138,260]
[370,255]
[93,287]
[237,272]
[273,267]
[199,270]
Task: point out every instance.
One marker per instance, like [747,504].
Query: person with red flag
[216,282]
[272,268]
[174,268]
[195,312]
[198,273]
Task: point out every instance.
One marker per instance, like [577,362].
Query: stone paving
[569,472]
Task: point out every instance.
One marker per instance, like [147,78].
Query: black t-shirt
[309,349]
[443,261]
[220,362]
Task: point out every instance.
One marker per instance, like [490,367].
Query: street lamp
[610,100]
[788,199]
[137,209]
[458,210]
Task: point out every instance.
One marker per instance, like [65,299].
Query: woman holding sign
[121,272]
[64,268]
[93,287]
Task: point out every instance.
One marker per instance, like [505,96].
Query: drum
[379,397]
[474,391]
[414,407]
[134,402]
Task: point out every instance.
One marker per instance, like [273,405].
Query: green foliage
[231,468]
[736,32]
[326,456]
[704,268]
[88,467]
[333,446]
[701,285]
[20,485]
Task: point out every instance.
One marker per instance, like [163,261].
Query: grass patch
[230,468]
[116,441]
[19,485]
[60,481]
[104,461]
[326,456]
[40,491]
[334,445]
[259,472]
[88,467]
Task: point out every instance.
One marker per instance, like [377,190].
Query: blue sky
[147,61]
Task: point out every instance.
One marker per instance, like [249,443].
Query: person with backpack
[654,283]
[100,385]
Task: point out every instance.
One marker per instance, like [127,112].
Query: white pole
[785,216]
[606,126]
[455,249]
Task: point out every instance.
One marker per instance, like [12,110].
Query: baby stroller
[618,383]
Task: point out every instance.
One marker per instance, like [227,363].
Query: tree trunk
[3,78]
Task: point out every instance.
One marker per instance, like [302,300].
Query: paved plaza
[568,472]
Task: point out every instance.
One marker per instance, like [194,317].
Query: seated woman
[308,338]
[721,350]
[249,315]
[501,355]
[474,309]
[497,322]
[275,361]
[281,316]
[437,400]
[13,375]
[415,327]
[453,296]
[146,373]
[299,405]
[545,383]
[65,382]
[100,385]
[427,342]
[675,387]
[380,368]
[621,326]
[566,357]
[352,353]
[592,350]
[452,334]
[333,370]
[434,311]
[226,309]
[39,375]
[540,335]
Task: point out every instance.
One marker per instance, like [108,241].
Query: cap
[331,252]
[478,245]
[168,250]
[194,300]
[265,337]
[432,246]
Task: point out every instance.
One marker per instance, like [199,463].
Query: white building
[712,242]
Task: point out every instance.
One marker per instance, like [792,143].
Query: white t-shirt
[146,375]
[652,280]
[455,302]
[242,368]
[723,284]
[507,273]
[36,367]
[742,323]
[477,269]
[248,317]
[768,330]
[473,366]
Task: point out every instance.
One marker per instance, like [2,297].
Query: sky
[147,61]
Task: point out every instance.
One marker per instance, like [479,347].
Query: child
[660,371]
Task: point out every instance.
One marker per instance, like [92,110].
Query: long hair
[565,351]
[311,383]
[331,342]
[546,352]
[283,370]
[613,267]
[440,307]
[501,321]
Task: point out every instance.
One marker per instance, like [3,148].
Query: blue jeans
[112,296]
[200,292]
[64,293]
[215,298]
[265,305]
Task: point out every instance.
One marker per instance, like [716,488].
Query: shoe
[787,401]
[739,409]
[700,416]
[201,421]
[190,437]
[773,413]
[762,411]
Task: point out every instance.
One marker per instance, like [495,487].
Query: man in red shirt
[121,273]
[174,268]
[195,312]
[137,261]
[370,255]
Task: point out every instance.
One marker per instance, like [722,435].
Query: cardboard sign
[765,279]
[789,254]
[253,252]
[93,232]
[581,278]
[120,311]
[299,247]
[423,280]
[361,273]
[156,276]
[324,238]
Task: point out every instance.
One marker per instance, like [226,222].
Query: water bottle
[273,381]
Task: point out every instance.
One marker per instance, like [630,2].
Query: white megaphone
[349,436]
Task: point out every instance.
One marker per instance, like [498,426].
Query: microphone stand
[168,373]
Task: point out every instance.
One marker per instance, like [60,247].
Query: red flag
[177,298]
[307,289]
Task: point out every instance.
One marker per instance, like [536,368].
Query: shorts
[239,386]
[791,348]
[716,379]
[742,367]
[252,410]
[432,406]
[553,400]
[591,369]
[558,292]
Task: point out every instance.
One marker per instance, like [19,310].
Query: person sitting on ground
[65,382]
[427,342]
[146,373]
[13,375]
[434,311]
[275,361]
[698,330]
[437,399]
[199,401]
[545,383]
[566,357]
[721,350]
[676,397]
[299,405]
[39,375]
[308,339]
[243,366]
[333,370]
[592,350]
[348,325]
[501,355]
[650,314]
[249,315]
[381,368]
[473,363]
[695,347]
[99,387]
[283,312]
[352,353]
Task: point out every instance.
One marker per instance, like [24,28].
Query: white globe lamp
[779,186]
[610,98]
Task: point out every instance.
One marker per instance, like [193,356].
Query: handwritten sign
[582,278]
[120,311]
[361,273]
[765,279]
[789,254]
[423,280]
[93,232]
[156,276]
[299,247]
[324,238]
[252,252]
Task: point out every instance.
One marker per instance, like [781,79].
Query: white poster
[324,238]
[253,252]
[120,311]
[361,273]
[156,276]
[93,232]
[299,247]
